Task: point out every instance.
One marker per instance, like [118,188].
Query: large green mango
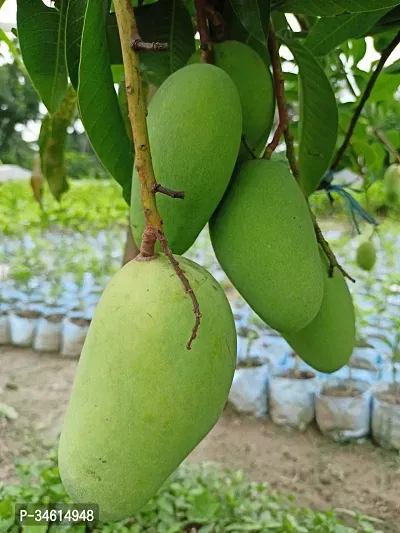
[141,401]
[195,124]
[328,341]
[254,82]
[264,239]
[392,184]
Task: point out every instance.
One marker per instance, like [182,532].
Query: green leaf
[52,141]
[330,8]
[41,32]
[167,22]
[236,31]
[330,32]
[318,117]
[384,88]
[98,102]
[254,15]
[75,18]
[394,68]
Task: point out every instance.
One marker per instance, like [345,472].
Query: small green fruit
[194,141]
[254,83]
[392,184]
[264,240]
[141,401]
[366,255]
[328,341]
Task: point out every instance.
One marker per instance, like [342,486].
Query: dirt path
[322,474]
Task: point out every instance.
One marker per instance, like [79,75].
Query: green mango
[366,255]
[263,237]
[254,83]
[328,341]
[392,184]
[141,401]
[194,123]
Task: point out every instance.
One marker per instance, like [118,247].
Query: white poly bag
[23,327]
[366,359]
[385,418]
[5,333]
[292,400]
[74,335]
[341,417]
[48,333]
[248,392]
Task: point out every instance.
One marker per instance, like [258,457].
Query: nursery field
[56,262]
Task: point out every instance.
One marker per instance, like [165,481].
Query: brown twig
[128,32]
[206,52]
[333,262]
[138,45]
[364,97]
[186,284]
[248,147]
[290,151]
[217,22]
[302,22]
[388,145]
[168,192]
[279,82]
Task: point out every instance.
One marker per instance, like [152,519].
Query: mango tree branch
[279,83]
[206,53]
[140,46]
[290,151]
[137,115]
[169,192]
[388,145]
[364,97]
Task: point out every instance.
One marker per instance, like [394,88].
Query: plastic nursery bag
[342,417]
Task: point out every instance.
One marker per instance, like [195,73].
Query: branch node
[168,192]
[138,45]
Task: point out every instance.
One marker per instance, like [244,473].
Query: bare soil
[321,473]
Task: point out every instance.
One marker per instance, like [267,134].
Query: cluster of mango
[141,401]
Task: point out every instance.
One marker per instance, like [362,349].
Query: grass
[196,499]
[88,205]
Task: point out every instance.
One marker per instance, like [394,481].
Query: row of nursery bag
[352,404]
[51,331]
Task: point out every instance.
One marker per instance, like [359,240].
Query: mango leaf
[98,102]
[254,15]
[330,8]
[330,32]
[75,18]
[168,22]
[318,117]
[41,32]
[52,141]
[236,31]
[384,88]
[355,48]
